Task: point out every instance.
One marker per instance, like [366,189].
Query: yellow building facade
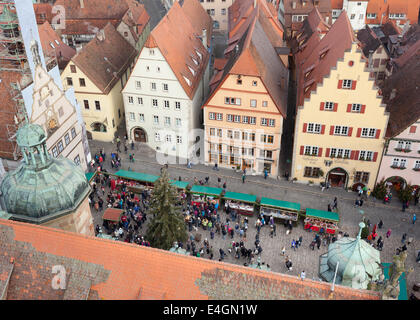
[243,126]
[339,130]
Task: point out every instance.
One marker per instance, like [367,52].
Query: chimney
[204,38]
[82,4]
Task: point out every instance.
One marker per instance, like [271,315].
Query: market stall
[201,194]
[321,221]
[280,209]
[240,202]
[136,181]
[112,217]
[181,187]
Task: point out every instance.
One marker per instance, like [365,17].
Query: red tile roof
[337,4]
[103,61]
[404,108]
[409,7]
[106,269]
[62,51]
[338,39]
[178,38]
[43,12]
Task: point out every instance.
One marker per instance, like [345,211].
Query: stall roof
[240,197]
[180,184]
[112,214]
[139,176]
[280,204]
[90,175]
[206,190]
[327,215]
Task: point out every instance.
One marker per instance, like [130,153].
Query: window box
[398,167]
[416,169]
[403,150]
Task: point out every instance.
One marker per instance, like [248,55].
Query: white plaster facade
[356,11]
[173,103]
[53,111]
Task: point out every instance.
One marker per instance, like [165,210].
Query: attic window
[52,45]
[199,54]
[195,61]
[187,80]
[309,70]
[57,42]
[323,52]
[191,70]
[308,85]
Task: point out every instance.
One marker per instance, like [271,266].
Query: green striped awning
[180,184]
[326,215]
[138,176]
[240,197]
[206,190]
[267,202]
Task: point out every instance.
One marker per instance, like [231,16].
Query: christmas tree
[379,191]
[167,224]
[406,194]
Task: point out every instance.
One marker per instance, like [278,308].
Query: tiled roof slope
[339,39]
[178,39]
[409,7]
[103,61]
[43,9]
[62,51]
[106,269]
[404,108]
[336,4]
[254,55]
[368,40]
[136,18]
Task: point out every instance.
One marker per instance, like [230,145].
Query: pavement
[308,196]
[155,9]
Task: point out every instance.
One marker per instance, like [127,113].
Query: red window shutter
[375,156]
[331,130]
[356,155]
[323,129]
[301,149]
[359,132]
[320,152]
[305,125]
[322,106]
[413,129]
[340,84]
[353,85]
[335,106]
[349,107]
[327,153]
[350,131]
[352,155]
[363,108]
[378,133]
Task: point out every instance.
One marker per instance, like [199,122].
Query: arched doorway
[139,135]
[337,177]
[395,183]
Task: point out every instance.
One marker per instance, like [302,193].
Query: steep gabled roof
[404,108]
[320,55]
[368,40]
[254,55]
[178,39]
[104,61]
[106,269]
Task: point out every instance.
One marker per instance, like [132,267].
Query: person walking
[414,218]
[243,177]
[283,251]
[380,224]
[265,173]
[335,204]
[404,237]
[388,233]
[302,275]
[293,245]
[329,208]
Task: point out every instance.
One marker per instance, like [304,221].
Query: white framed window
[219,133]
[67,139]
[347,153]
[371,15]
[356,107]
[60,146]
[341,130]
[265,103]
[166,104]
[253,103]
[77,160]
[168,138]
[245,119]
[178,139]
[157,136]
[230,117]
[237,118]
[313,128]
[230,134]
[177,105]
[329,105]
[254,83]
[165,86]
[139,100]
[156,119]
[141,117]
[264,121]
[271,122]
[403,163]
[154,102]
[178,122]
[417,164]
[368,132]
[212,132]
[311,151]
[167,121]
[212,115]
[153,86]
[130,100]
[73,133]
[219,116]
[132,116]
[333,152]
[138,85]
[252,120]
[347,84]
[236,135]
[55,152]
[395,162]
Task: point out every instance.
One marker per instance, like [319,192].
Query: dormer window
[191,70]
[187,80]
[308,70]
[195,61]
[199,54]
[323,52]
